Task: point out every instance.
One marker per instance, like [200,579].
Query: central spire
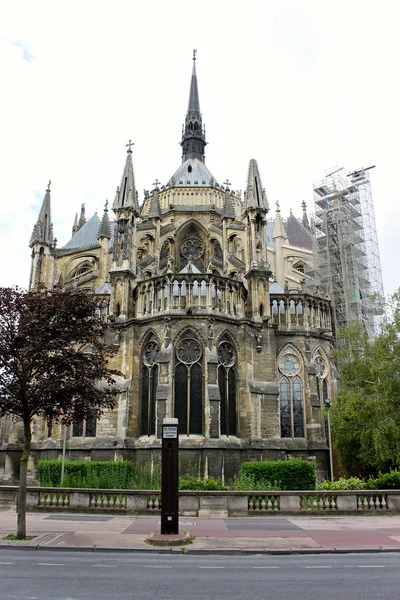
[193,134]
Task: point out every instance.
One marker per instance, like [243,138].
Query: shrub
[294,474]
[190,482]
[352,483]
[86,474]
[384,481]
[244,482]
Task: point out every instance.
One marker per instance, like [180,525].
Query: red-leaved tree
[45,368]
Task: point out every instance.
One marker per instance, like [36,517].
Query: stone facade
[211,308]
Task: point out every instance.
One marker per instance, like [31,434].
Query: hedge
[293,474]
[86,474]
[384,481]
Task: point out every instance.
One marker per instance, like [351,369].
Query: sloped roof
[190,171]
[86,236]
[275,288]
[298,234]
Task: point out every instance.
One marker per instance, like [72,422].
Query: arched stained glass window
[149,382]
[188,389]
[291,394]
[227,386]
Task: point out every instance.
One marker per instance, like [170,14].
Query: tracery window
[227,386]
[149,383]
[291,394]
[188,389]
[192,248]
[321,375]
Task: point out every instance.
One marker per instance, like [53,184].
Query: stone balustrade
[204,291]
[300,310]
[206,504]
[190,291]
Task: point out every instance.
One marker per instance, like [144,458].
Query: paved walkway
[275,534]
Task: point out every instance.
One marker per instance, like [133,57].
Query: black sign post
[170,477]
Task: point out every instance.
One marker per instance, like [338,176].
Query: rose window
[226,354]
[192,247]
[151,354]
[289,365]
[189,351]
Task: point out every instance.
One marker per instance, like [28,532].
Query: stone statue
[170,264]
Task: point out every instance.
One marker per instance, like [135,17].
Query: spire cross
[106,205]
[304,205]
[156,182]
[227,182]
[48,185]
[194,54]
[277,205]
[129,146]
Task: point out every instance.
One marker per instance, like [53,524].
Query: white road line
[371,566]
[157,567]
[319,567]
[266,567]
[106,566]
[51,565]
[4,563]
[211,567]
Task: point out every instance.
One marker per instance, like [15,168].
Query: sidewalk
[272,534]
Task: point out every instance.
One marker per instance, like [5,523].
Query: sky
[299,85]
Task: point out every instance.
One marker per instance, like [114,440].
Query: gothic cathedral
[216,321]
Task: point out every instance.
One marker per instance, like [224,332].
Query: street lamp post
[63,453]
[328,405]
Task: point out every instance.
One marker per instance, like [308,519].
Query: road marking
[107,566]
[4,563]
[266,567]
[319,567]
[51,565]
[211,567]
[371,566]
[157,567]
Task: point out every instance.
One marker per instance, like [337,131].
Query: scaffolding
[346,251]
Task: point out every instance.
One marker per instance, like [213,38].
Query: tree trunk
[23,471]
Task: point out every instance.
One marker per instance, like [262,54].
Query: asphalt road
[28,575]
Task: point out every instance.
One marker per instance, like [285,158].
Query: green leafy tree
[366,413]
[45,369]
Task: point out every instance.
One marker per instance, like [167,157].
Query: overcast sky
[299,85]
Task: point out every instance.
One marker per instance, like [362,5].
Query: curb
[203,551]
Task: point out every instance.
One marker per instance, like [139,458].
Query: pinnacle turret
[193,134]
[82,218]
[43,230]
[228,211]
[155,209]
[305,220]
[255,198]
[105,227]
[126,196]
[279,228]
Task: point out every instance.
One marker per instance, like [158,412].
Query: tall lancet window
[149,382]
[291,393]
[188,397]
[321,374]
[227,386]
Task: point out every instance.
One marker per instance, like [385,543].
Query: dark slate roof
[86,236]
[190,171]
[298,234]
